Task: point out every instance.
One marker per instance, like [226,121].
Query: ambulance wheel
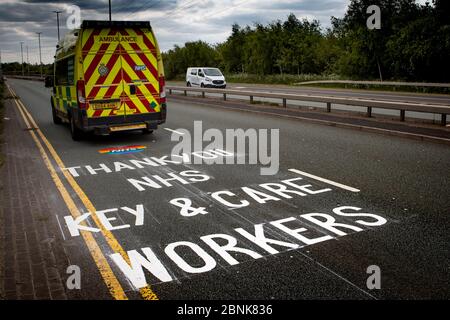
[147,131]
[76,133]
[188,84]
[202,85]
[56,119]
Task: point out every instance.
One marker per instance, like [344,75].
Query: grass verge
[288,79]
[2,90]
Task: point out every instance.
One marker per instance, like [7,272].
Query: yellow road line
[146,292]
[106,272]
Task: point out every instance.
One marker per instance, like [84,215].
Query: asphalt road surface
[402,185]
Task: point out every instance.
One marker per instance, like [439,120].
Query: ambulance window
[61,72]
[70,73]
[194,72]
[65,72]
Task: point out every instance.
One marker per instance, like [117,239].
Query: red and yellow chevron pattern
[120,65]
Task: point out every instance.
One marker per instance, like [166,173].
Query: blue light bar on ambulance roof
[87,24]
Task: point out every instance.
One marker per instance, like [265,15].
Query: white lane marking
[60,228]
[240,87]
[333,183]
[336,274]
[177,132]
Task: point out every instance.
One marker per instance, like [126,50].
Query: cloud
[23,12]
[174,21]
[117,5]
[314,6]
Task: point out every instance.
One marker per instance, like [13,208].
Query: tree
[413,44]
[178,59]
[231,52]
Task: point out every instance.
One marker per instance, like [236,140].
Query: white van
[205,77]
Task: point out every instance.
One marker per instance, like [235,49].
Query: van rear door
[102,68]
[140,71]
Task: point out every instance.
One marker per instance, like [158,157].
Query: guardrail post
[224,97]
[170,91]
[251,99]
[402,115]
[203,94]
[444,119]
[284,103]
[369,112]
[185,92]
[328,106]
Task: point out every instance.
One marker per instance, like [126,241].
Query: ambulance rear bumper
[105,125]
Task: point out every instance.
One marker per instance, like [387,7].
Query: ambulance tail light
[162,90]
[81,95]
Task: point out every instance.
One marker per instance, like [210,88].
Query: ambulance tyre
[56,119]
[76,133]
[188,84]
[147,131]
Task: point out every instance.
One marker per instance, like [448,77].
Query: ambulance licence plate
[128,127]
[105,105]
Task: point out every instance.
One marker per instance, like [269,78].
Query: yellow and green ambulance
[108,77]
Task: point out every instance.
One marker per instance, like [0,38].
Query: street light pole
[40,56]
[28,63]
[57,20]
[109,10]
[21,53]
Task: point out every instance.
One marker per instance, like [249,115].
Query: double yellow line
[108,276]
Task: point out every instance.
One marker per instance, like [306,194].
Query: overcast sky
[174,21]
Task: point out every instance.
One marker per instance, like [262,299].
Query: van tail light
[81,95]
[162,90]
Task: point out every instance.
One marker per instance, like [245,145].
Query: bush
[277,79]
